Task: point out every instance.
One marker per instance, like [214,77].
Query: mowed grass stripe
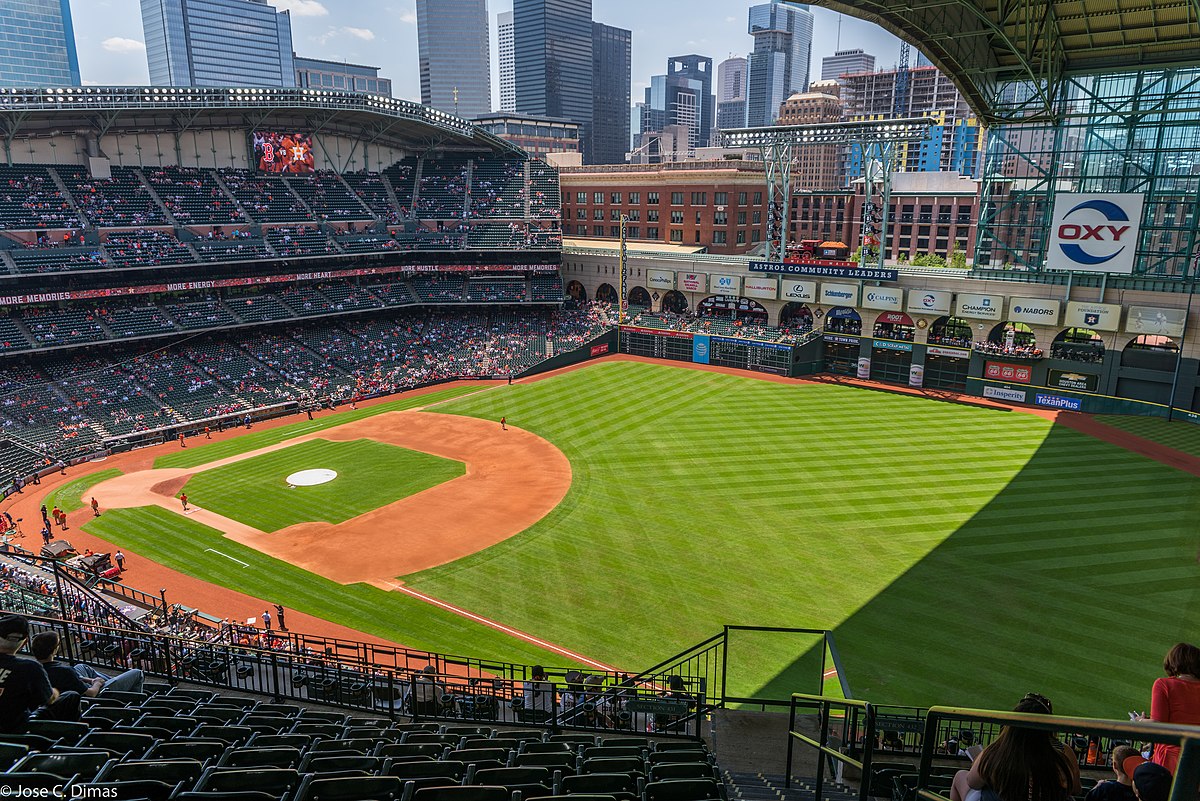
[369,475]
[196,455]
[701,499]
[1178,434]
[179,543]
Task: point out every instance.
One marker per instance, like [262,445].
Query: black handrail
[825,704]
[1187,774]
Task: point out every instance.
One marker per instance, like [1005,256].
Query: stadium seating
[53,327]
[545,201]
[146,249]
[393,294]
[441,193]
[258,307]
[30,200]
[348,297]
[57,259]
[265,198]
[498,188]
[493,289]
[402,177]
[439,288]
[135,319]
[546,288]
[117,202]
[372,192]
[300,240]
[328,198]
[110,397]
[11,336]
[192,196]
[192,315]
[238,248]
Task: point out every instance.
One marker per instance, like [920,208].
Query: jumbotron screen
[283,153]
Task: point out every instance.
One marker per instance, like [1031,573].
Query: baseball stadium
[320,429]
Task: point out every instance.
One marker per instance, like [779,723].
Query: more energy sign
[1095,233]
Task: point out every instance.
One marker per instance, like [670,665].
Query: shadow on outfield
[1073,581]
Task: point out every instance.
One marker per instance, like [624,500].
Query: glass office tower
[37,44]
[454,56]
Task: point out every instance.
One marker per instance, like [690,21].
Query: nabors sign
[1095,233]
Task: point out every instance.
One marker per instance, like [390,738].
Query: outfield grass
[1177,434]
[961,555]
[179,543]
[370,475]
[68,496]
[196,455]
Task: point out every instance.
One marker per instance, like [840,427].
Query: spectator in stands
[538,696]
[80,678]
[24,686]
[1120,788]
[1175,698]
[1022,764]
[427,692]
[675,692]
[1151,782]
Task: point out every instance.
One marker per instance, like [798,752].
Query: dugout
[843,326]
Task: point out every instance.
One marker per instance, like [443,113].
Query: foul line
[227,556]
[529,638]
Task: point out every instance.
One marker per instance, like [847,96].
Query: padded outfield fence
[905,752]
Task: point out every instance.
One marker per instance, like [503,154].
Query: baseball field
[961,555]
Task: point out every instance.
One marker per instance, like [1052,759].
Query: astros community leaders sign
[826,270]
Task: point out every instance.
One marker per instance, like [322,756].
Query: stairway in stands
[769,787]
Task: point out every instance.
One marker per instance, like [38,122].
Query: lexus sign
[1095,233]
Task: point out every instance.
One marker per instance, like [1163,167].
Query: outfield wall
[1134,380]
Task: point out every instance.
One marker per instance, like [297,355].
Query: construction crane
[900,103]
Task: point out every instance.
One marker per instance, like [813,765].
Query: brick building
[816,167]
[717,205]
[930,213]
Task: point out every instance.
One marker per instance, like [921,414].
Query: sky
[383,33]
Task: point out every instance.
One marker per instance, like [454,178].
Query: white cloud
[119,44]
[303,8]
[408,17]
[365,34]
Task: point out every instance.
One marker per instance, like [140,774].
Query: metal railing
[856,733]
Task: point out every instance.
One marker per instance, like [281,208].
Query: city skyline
[383,33]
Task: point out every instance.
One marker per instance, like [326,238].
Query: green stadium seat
[64,732]
[266,724]
[168,771]
[530,782]
[430,728]
[619,785]
[576,740]
[277,782]
[454,772]
[166,705]
[105,717]
[171,723]
[597,751]
[448,740]
[546,748]
[563,762]
[193,695]
[218,714]
[468,731]
[300,742]
[233,735]
[407,750]
[477,755]
[118,742]
[682,790]
[359,788]
[311,716]
[285,710]
[665,745]
[634,766]
[10,753]
[323,730]
[636,742]
[248,757]
[136,790]
[362,745]
[320,763]
[459,793]
[192,748]
[85,764]
[682,770]
[690,755]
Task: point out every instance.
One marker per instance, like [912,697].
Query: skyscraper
[846,62]
[218,43]
[454,55]
[780,61]
[611,77]
[37,44]
[731,95]
[682,99]
[553,44]
[508,74]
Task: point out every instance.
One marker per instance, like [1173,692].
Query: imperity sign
[1095,233]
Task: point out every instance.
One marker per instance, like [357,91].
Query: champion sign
[1095,232]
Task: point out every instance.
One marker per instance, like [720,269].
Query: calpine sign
[1096,233]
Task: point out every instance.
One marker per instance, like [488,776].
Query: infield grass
[195,454]
[69,496]
[369,475]
[180,543]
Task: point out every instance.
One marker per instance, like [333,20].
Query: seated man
[427,693]
[24,686]
[81,678]
[538,696]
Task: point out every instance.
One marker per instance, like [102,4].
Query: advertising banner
[725,284]
[1005,394]
[1059,402]
[895,318]
[660,279]
[948,353]
[657,332]
[803,291]
[600,350]
[979,307]
[692,282]
[839,294]
[916,375]
[1067,379]
[883,298]
[1095,233]
[1033,311]
[700,348]
[887,344]
[1015,373]
[1156,322]
[864,367]
[1097,316]
[840,339]
[926,302]
[758,286]
[825,269]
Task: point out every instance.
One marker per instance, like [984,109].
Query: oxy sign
[1095,233]
[929,302]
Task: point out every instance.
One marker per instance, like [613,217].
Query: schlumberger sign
[1096,233]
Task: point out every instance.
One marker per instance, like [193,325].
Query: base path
[513,479]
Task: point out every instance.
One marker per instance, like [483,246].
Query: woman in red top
[1176,698]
